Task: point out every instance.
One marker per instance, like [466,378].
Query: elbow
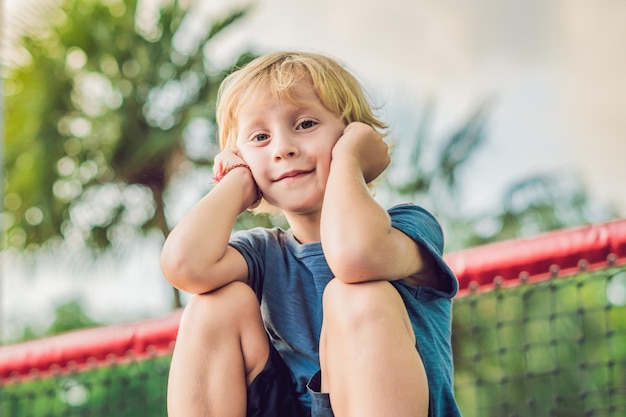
[180,274]
[174,271]
[171,270]
[351,269]
[354,260]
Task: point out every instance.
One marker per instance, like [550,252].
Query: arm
[196,257]
[357,237]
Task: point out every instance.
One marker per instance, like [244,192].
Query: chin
[302,208]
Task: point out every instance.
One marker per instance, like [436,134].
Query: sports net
[530,339]
[551,348]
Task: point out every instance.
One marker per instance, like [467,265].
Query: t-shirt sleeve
[251,244]
[421,226]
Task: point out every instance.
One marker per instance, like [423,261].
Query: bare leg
[370,366]
[220,348]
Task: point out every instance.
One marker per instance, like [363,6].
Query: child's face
[288,147]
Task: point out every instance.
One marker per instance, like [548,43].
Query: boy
[346,312]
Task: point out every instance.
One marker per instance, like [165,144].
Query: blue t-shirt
[289,278]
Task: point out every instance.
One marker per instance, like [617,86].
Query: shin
[370,364]
[221,346]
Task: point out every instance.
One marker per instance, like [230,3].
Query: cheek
[246,155]
[323,166]
[254,161]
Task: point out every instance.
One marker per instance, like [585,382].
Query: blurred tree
[70,316]
[430,176]
[106,104]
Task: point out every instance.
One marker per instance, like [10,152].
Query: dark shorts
[320,402]
[272,393]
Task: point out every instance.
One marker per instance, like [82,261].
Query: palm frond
[461,145]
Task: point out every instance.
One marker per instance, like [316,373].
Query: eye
[260,137]
[306,124]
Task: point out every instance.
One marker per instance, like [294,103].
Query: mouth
[292,175]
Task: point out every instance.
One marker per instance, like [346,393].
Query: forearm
[353,224]
[199,241]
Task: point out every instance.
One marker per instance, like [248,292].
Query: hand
[228,160]
[223,160]
[367,145]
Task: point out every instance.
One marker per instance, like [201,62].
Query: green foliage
[70,316]
[97,120]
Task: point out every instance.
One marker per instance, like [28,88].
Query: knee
[226,307]
[353,305]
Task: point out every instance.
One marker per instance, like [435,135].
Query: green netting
[553,348]
[120,390]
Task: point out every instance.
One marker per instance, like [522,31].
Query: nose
[285,146]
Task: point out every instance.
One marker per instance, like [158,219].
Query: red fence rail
[85,349]
[554,253]
[509,262]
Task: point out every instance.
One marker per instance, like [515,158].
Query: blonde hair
[338,90]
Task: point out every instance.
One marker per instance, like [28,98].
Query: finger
[217,165]
[218,170]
